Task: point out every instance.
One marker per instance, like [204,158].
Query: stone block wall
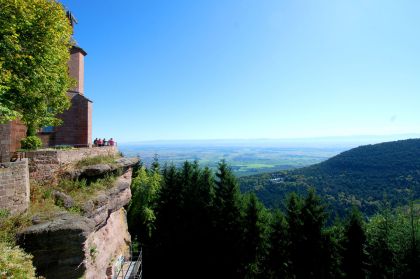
[10,136]
[14,186]
[17,132]
[46,164]
[76,129]
[5,142]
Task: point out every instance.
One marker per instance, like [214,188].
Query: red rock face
[83,245]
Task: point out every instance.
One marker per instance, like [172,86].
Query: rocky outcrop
[121,164]
[72,245]
[46,165]
[99,208]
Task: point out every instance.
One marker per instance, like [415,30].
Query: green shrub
[63,147]
[102,159]
[4,213]
[31,143]
[15,263]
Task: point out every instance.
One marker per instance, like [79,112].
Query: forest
[364,176]
[192,222]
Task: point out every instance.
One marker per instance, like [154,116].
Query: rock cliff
[85,243]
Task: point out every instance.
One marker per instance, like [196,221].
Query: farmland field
[244,158]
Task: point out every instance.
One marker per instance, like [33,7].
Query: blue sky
[242,69]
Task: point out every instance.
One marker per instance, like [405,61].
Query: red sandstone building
[76,129]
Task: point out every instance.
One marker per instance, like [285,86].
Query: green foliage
[93,251]
[354,255]
[141,210]
[102,159]
[10,225]
[4,213]
[81,190]
[63,147]
[203,227]
[15,263]
[277,262]
[392,249]
[31,143]
[254,239]
[360,176]
[35,38]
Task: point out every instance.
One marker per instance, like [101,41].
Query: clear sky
[250,69]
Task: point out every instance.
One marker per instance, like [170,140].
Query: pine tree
[354,257]
[227,209]
[254,242]
[277,260]
[306,220]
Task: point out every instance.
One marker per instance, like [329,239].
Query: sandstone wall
[105,245]
[5,142]
[76,129]
[10,136]
[45,164]
[14,186]
[83,245]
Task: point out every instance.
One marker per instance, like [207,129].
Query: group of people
[104,142]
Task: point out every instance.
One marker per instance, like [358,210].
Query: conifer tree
[295,233]
[167,247]
[354,257]
[277,260]
[306,220]
[227,207]
[254,242]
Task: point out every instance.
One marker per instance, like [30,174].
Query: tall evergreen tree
[277,263]
[227,207]
[167,247]
[306,221]
[354,257]
[254,240]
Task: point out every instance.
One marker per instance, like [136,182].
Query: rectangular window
[48,129]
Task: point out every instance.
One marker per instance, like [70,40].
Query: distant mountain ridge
[361,176]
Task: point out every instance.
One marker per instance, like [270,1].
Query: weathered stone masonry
[45,164]
[14,186]
[10,136]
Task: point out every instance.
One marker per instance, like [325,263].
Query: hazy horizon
[327,139]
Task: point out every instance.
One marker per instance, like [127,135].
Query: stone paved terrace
[45,163]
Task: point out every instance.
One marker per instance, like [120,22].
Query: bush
[31,143]
[63,147]
[15,263]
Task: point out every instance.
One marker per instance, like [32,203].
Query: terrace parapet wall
[14,186]
[45,165]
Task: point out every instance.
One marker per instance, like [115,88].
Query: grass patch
[15,263]
[10,225]
[110,159]
[42,202]
[82,190]
[63,147]
[45,207]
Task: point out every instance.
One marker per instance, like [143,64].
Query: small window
[48,129]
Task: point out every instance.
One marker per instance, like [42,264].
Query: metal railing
[131,269]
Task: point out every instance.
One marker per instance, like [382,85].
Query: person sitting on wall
[104,142]
[99,142]
[95,142]
[111,142]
